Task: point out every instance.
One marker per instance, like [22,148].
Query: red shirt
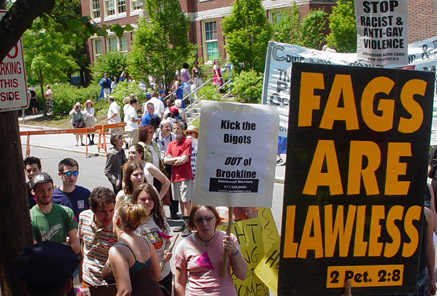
[175,149]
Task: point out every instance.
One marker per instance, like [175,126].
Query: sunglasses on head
[68,174]
[200,220]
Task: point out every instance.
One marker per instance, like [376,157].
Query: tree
[22,13]
[47,60]
[247,33]
[343,36]
[13,200]
[248,87]
[287,25]
[112,63]
[160,44]
[290,27]
[313,25]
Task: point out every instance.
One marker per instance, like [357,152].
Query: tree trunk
[15,230]
[41,85]
[85,72]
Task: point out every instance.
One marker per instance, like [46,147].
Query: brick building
[422,23]
[205,17]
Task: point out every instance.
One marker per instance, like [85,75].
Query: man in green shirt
[51,222]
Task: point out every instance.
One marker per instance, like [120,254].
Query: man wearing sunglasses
[69,194]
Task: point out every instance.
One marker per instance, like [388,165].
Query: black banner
[358,143]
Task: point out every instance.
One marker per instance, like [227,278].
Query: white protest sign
[422,55]
[236,155]
[13,86]
[382,31]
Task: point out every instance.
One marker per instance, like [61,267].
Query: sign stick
[170,249]
[226,253]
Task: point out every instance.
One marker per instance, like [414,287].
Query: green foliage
[160,44]
[290,28]
[124,89]
[46,59]
[313,25]
[112,63]
[287,25]
[248,87]
[66,95]
[209,92]
[343,36]
[247,32]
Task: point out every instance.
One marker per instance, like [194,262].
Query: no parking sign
[13,86]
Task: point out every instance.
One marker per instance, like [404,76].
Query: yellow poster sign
[267,269]
[256,236]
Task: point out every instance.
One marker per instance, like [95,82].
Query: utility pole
[15,226]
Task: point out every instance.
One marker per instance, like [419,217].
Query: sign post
[355,179]
[13,85]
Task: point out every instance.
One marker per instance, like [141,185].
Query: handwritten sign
[382,31]
[356,179]
[269,231]
[267,268]
[248,234]
[236,155]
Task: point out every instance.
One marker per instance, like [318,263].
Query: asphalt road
[53,148]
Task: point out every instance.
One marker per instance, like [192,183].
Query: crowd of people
[122,233]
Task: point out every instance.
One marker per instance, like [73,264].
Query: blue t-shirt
[146,119]
[77,200]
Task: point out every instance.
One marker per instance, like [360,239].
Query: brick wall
[421,18]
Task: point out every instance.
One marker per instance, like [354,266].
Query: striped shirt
[96,243]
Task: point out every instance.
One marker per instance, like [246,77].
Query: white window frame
[117,13]
[205,42]
[96,52]
[95,11]
[271,13]
[118,44]
[132,8]
[108,43]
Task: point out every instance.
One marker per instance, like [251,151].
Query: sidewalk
[64,142]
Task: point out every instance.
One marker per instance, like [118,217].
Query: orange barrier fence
[100,129]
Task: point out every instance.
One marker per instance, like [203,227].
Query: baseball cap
[40,178]
[46,264]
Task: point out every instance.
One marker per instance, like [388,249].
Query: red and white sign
[13,86]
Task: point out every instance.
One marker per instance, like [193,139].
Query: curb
[37,127]
[90,154]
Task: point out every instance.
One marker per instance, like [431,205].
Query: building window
[97,47]
[275,15]
[110,7]
[114,7]
[210,42]
[121,6]
[112,44]
[137,4]
[117,44]
[95,8]
[123,44]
